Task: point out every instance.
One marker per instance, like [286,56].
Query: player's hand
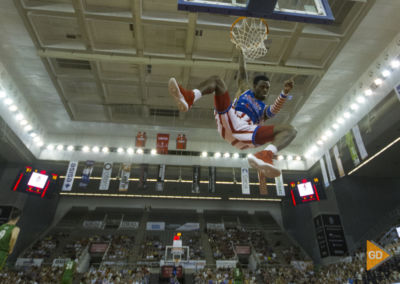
[288,86]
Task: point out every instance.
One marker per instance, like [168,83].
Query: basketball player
[240,122]
[8,236]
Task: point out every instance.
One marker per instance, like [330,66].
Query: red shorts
[236,127]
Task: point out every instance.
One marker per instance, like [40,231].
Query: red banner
[162,143]
[141,139]
[181,142]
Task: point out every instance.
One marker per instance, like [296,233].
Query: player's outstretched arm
[272,110]
[243,80]
[13,240]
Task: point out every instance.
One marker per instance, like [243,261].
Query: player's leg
[3,259]
[280,136]
[185,98]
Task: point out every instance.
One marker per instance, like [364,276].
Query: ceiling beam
[95,56]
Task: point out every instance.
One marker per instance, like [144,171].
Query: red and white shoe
[184,98]
[262,161]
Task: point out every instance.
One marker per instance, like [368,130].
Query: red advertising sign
[162,143]
[181,142]
[141,139]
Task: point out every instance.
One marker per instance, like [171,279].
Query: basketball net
[249,35]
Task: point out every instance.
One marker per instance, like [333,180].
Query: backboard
[308,11]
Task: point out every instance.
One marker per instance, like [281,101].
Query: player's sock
[197,95]
[272,148]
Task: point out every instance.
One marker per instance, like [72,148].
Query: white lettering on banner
[93,224]
[280,188]
[189,227]
[28,262]
[106,176]
[70,176]
[245,181]
[125,174]
[332,176]
[129,225]
[338,161]
[216,226]
[324,174]
[226,263]
[155,226]
[359,142]
[60,262]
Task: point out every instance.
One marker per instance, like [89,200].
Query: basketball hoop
[249,35]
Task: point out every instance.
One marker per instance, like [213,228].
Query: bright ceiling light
[19,117]
[2,94]
[60,147]
[8,102]
[130,151]
[335,126]
[328,133]
[280,158]
[395,64]
[28,127]
[360,99]
[385,73]
[36,139]
[105,150]
[368,92]
[85,149]
[289,158]
[307,155]
[378,81]
[120,150]
[50,147]
[70,148]
[153,152]
[248,155]
[40,143]
[217,155]
[236,155]
[320,142]
[95,149]
[340,120]
[139,151]
[23,122]
[227,155]
[298,158]
[204,154]
[314,148]
[13,108]
[347,114]
[354,106]
[33,134]
[324,137]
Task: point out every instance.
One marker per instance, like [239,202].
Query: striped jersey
[255,109]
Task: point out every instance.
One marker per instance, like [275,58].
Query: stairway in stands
[208,254]
[139,238]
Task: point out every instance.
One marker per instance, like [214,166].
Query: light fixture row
[353,107]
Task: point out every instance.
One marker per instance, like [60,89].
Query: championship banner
[332,175]
[211,179]
[245,181]
[106,176]
[397,90]
[144,168]
[141,139]
[324,174]
[338,161]
[359,142]
[125,174]
[196,179]
[70,176]
[280,188]
[162,143]
[160,178]
[181,142]
[86,173]
[352,148]
[263,183]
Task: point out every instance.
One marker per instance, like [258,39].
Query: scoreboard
[305,191]
[36,182]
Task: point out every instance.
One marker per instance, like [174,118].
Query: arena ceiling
[97,70]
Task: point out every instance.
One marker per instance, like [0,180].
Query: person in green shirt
[69,271]
[8,236]
[238,274]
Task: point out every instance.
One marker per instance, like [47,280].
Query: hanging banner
[141,139]
[263,183]
[162,143]
[245,181]
[125,174]
[359,142]
[70,176]
[160,178]
[352,148]
[332,175]
[86,173]
[338,161]
[181,142]
[155,226]
[211,179]
[196,179]
[397,90]
[280,188]
[106,176]
[324,174]
[144,168]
